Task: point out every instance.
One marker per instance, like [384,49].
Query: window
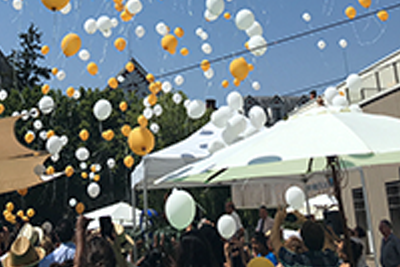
[360,213]
[277,113]
[393,198]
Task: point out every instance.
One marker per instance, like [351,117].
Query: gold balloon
[125,130]
[29,137]
[96,178]
[142,121]
[45,50]
[205,65]
[123,106]
[80,208]
[2,108]
[227,15]
[50,170]
[260,262]
[184,51]
[125,16]
[10,206]
[50,133]
[350,12]
[119,7]
[84,175]
[55,5]
[93,168]
[365,3]
[22,192]
[239,68]
[152,99]
[150,78]
[113,83]
[251,67]
[153,88]
[129,161]
[70,91]
[225,83]
[45,89]
[236,82]
[54,71]
[130,67]
[84,134]
[108,135]
[120,44]
[141,141]
[169,43]
[30,213]
[20,213]
[92,68]
[69,171]
[383,15]
[179,32]
[71,44]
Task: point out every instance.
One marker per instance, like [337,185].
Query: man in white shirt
[265,223]
[230,209]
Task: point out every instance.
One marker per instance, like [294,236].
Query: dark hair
[64,230]
[263,207]
[360,232]
[387,223]
[100,253]
[313,93]
[356,250]
[211,236]
[231,205]
[313,235]
[260,238]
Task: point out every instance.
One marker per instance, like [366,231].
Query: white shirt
[268,224]
[66,251]
[237,220]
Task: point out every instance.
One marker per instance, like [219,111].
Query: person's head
[356,251]
[313,235]
[64,230]
[313,94]
[385,227]
[47,244]
[359,232]
[99,253]
[295,244]
[259,244]
[263,212]
[229,207]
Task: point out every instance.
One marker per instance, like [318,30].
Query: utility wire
[321,84]
[279,41]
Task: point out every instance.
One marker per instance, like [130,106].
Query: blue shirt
[66,251]
[271,257]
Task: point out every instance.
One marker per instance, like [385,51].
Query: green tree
[24,61]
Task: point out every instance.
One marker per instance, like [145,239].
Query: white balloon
[154,127]
[140,31]
[254,29]
[215,7]
[102,109]
[84,55]
[120,79]
[65,10]
[97,167]
[226,226]
[106,33]
[134,6]
[204,36]
[343,43]
[83,165]
[15,114]
[3,95]
[166,87]
[199,31]
[215,145]
[257,45]
[54,145]
[111,163]
[157,110]
[206,48]
[25,115]
[186,103]
[234,100]
[180,209]
[208,16]
[77,95]
[244,19]
[257,117]
[93,190]
[55,157]
[64,140]
[34,113]
[91,175]
[179,80]
[221,116]
[321,44]
[38,125]
[340,101]
[114,22]
[61,75]
[295,197]
[177,98]
[103,23]
[306,17]
[330,93]
[237,124]
[46,104]
[146,102]
[209,73]
[355,108]
[354,82]
[43,135]
[148,113]
[256,85]
[72,202]
[17,4]
[161,28]
[196,109]
[82,154]
[90,26]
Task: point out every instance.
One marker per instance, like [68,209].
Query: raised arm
[275,232]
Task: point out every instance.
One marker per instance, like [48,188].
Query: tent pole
[371,236]
[133,200]
[333,164]
[145,206]
[307,197]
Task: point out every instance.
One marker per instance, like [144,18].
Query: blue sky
[283,68]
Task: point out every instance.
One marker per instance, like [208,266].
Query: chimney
[211,104]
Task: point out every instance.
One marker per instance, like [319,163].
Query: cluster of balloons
[169,42]
[351,12]
[103,23]
[12,218]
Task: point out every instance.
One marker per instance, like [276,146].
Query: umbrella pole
[133,196]
[332,164]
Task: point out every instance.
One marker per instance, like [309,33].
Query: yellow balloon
[20,213]
[383,15]
[169,43]
[236,82]
[225,83]
[25,219]
[54,71]
[179,32]
[45,89]
[93,168]
[123,106]
[50,170]
[150,78]
[108,135]
[84,134]
[71,44]
[29,137]
[30,213]
[142,121]
[239,68]
[153,88]
[125,16]
[92,68]
[184,51]
[113,83]
[141,141]
[50,133]
[84,175]
[2,108]
[205,65]
[130,67]
[365,3]
[45,50]
[128,161]
[251,67]
[22,192]
[246,45]
[227,15]
[260,262]
[55,5]
[350,12]
[10,206]
[119,7]
[5,213]
[152,99]
[96,178]
[80,208]
[69,171]
[70,91]
[125,130]
[120,44]
[158,87]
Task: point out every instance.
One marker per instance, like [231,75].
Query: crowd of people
[314,244]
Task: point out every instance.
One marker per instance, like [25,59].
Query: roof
[6,72]
[290,102]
